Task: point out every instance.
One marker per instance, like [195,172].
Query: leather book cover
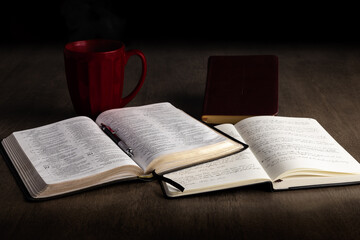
[240,86]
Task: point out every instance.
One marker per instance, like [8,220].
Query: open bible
[76,154]
[288,152]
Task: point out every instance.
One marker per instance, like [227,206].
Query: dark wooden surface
[318,81]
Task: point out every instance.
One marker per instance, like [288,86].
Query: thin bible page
[70,150]
[158,129]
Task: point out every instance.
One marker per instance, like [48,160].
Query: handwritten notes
[239,167]
[287,151]
[283,144]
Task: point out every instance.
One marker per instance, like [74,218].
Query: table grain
[320,81]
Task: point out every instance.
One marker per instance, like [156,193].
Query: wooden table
[318,81]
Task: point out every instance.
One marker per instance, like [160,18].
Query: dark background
[315,81]
[63,21]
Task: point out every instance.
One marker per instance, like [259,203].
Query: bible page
[223,173]
[294,144]
[158,129]
[70,150]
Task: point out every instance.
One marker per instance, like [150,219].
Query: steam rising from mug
[95,75]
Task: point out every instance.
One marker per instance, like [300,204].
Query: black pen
[108,131]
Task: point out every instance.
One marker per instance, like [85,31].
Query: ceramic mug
[95,75]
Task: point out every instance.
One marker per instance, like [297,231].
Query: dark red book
[240,86]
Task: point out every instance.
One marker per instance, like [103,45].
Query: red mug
[95,75]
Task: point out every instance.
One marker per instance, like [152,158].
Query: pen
[108,131]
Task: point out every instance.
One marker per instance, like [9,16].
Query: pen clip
[112,134]
[108,128]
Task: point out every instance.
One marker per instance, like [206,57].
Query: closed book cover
[240,86]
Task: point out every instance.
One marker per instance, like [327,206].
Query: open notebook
[287,152]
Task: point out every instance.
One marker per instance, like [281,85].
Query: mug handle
[128,54]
